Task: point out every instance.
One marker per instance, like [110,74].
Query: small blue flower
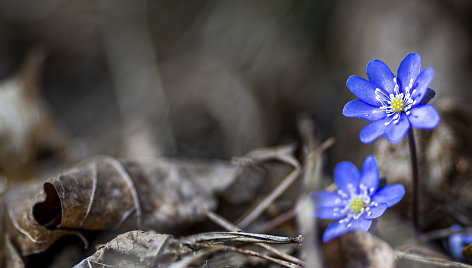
[357,201]
[391,104]
[458,241]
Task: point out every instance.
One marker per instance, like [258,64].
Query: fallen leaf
[137,249]
[104,193]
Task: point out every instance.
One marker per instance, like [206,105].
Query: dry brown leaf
[26,232]
[137,249]
[104,193]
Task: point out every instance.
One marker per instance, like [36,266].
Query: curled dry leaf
[105,193]
[26,232]
[137,249]
[358,249]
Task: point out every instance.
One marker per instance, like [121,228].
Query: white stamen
[397,103]
[342,194]
[351,204]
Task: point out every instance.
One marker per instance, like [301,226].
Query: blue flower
[458,241]
[392,104]
[357,201]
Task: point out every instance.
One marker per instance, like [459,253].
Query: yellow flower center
[357,205]
[397,104]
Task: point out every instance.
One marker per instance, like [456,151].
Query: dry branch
[241,237]
[250,253]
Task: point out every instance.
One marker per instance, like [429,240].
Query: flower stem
[414,171]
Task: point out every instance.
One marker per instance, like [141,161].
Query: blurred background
[205,78]
[219,78]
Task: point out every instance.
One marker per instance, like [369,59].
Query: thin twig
[191,258]
[280,189]
[430,260]
[250,253]
[99,263]
[223,222]
[221,237]
[443,233]
[283,153]
[231,227]
[322,148]
[276,221]
[262,206]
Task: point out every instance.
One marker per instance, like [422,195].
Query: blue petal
[424,116]
[466,238]
[422,83]
[363,89]
[370,173]
[376,211]
[456,244]
[396,131]
[325,198]
[361,224]
[345,173]
[358,108]
[325,203]
[379,74]
[409,68]
[389,194]
[373,130]
[336,229]
[328,213]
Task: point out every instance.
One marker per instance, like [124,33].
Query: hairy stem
[414,171]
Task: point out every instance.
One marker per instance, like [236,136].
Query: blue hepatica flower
[392,104]
[357,201]
[458,241]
